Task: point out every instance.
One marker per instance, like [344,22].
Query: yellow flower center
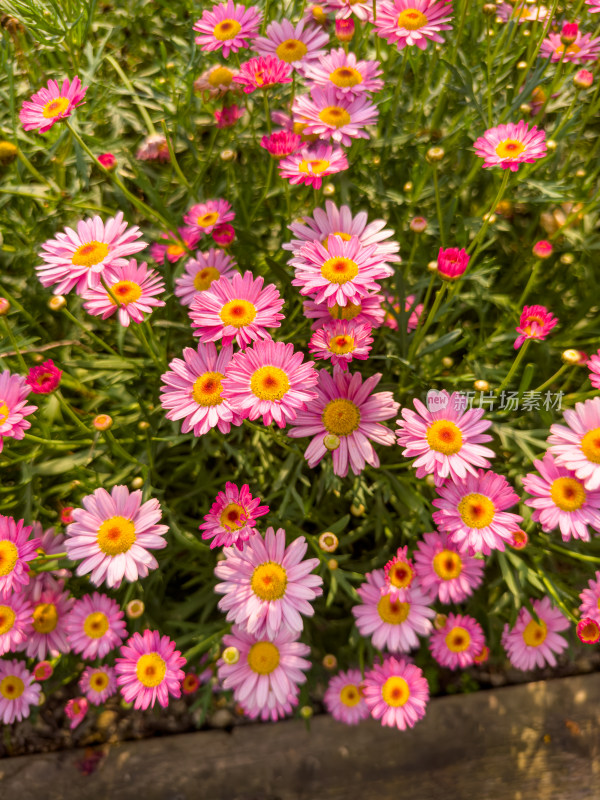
[339,270]
[444,437]
[263,658]
[126,292]
[237,313]
[335,116]
[99,681]
[56,107]
[8,556]
[567,493]
[590,446]
[11,687]
[509,148]
[226,29]
[392,611]
[151,669]
[45,618]
[269,581]
[116,535]
[205,220]
[4,412]
[572,49]
[341,417]
[291,50]
[395,691]
[95,625]
[345,76]
[534,635]
[476,510]
[90,254]
[412,19]
[221,76]
[349,311]
[269,383]
[231,517]
[344,236]
[350,695]
[207,389]
[458,639]
[341,344]
[7,619]
[317,166]
[447,565]
[204,278]
[175,250]
[401,575]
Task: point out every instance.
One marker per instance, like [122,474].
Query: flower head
[223,235]
[263,73]
[281,143]
[16,624]
[76,710]
[396,693]
[134,287]
[174,250]
[108,161]
[98,684]
[298,45]
[577,445]
[232,517]
[536,323]
[18,692]
[95,626]
[44,378]
[532,644]
[16,549]
[43,670]
[49,618]
[412,22]
[458,642]
[52,104]
[216,81]
[335,117]
[590,599]
[583,79]
[344,699]
[201,271]
[509,145]
[570,45]
[226,118]
[362,9]
[149,670]
[593,364]
[542,249]
[13,409]
[228,27]
[443,571]
[154,148]
[368,311]
[340,341]
[399,574]
[311,164]
[202,218]
[451,263]
[588,631]
[345,73]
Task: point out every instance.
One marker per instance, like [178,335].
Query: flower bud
[329,190]
[571,356]
[318,14]
[4,306]
[357,509]
[481,386]
[143,425]
[376,160]
[452,262]
[66,515]
[569,33]
[447,361]
[137,482]
[344,29]
[435,154]
[430,480]
[108,161]
[580,173]
[228,154]
[330,661]
[8,153]
[551,144]
[525,108]
[432,266]
[567,259]
[43,670]
[418,224]
[519,540]
[57,302]
[231,655]
[522,65]
[332,564]
[588,630]
[408,187]
[328,542]
[223,235]
[134,609]
[583,79]
[439,621]
[489,9]
[102,422]
[542,249]
[331,441]
[306,712]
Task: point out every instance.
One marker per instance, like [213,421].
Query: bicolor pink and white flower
[368,311]
[202,218]
[343,698]
[52,104]
[177,245]
[18,691]
[216,81]
[228,27]
[580,49]
[98,684]
[509,145]
[150,669]
[522,12]
[458,642]
[134,287]
[345,73]
[311,164]
[530,644]
[200,273]
[576,445]
[341,341]
[593,364]
[298,45]
[263,72]
[396,692]
[16,550]
[536,323]
[443,571]
[95,626]
[112,535]
[590,599]
[330,116]
[16,623]
[413,22]
[14,390]
[50,611]
[232,517]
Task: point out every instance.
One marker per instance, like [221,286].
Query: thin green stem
[144,113]
[69,411]
[173,157]
[420,334]
[554,378]
[438,204]
[267,111]
[37,175]
[530,283]
[89,333]
[515,365]
[537,48]
[14,344]
[139,332]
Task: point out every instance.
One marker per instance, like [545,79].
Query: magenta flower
[52,104]
[16,623]
[226,118]
[134,287]
[98,684]
[202,218]
[76,710]
[536,323]
[228,26]
[412,22]
[232,517]
[263,73]
[590,599]
[16,549]
[44,378]
[509,145]
[223,235]
[345,418]
[443,571]
[530,644]
[571,45]
[583,79]
[281,143]
[367,311]
[344,699]
[149,670]
[174,250]
[43,671]
[396,693]
[49,616]
[452,262]
[576,446]
[588,631]
[298,45]
[201,271]
[13,410]
[18,692]
[330,116]
[458,643]
[107,160]
[593,364]
[340,341]
[348,76]
[95,626]
[311,164]
[344,29]
[542,249]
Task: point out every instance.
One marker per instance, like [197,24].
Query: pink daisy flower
[443,571]
[95,626]
[223,235]
[396,693]
[154,148]
[594,6]
[536,323]
[593,364]
[44,378]
[13,410]
[49,616]
[52,104]
[98,684]
[311,164]
[43,671]
[174,250]
[192,390]
[344,699]
[236,308]
[588,631]
[368,311]
[412,22]
[509,145]
[149,670]
[522,12]
[216,81]
[530,644]
[266,679]
[18,692]
[16,623]
[590,599]
[77,259]
[456,644]
[281,143]
[201,271]
[270,380]
[16,549]
[76,710]
[232,517]
[331,116]
[348,76]
[340,341]
[112,533]
[190,684]
[473,511]
[399,574]
[561,501]
[452,263]
[414,311]
[392,624]
[445,443]
[226,118]
[202,218]
[345,418]
[342,272]
[298,45]
[577,445]
[263,73]
[134,286]
[228,26]
[362,9]
[268,586]
[583,48]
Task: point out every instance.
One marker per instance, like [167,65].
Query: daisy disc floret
[536,323]
[18,691]
[228,27]
[95,626]
[331,116]
[311,164]
[203,218]
[16,550]
[297,45]
[590,599]
[200,273]
[50,610]
[531,644]
[263,73]
[345,73]
[52,104]
[576,445]
[396,693]
[344,699]
[131,291]
[150,669]
[443,571]
[412,22]
[341,341]
[98,684]
[232,517]
[14,390]
[112,535]
[458,642]
[509,145]
[16,623]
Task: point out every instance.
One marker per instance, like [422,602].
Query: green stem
[534,54]
[486,222]
[515,365]
[89,333]
[120,450]
[14,344]
[267,111]
[530,283]
[37,175]
[67,408]
[566,117]
[438,204]
[420,335]
[554,377]
[172,156]
[145,116]
[139,332]
[459,33]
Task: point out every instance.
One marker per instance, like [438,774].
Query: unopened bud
[551,144]
[583,79]
[542,249]
[481,386]
[143,425]
[571,356]
[328,542]
[4,306]
[330,661]
[489,9]
[331,441]
[447,361]
[408,187]
[439,622]
[306,712]
[231,655]
[57,302]
[137,483]
[329,190]
[332,564]
[8,153]
[569,33]
[418,224]
[227,155]
[344,29]
[134,609]
[525,108]
[357,509]
[435,154]
[102,422]
[567,259]
[430,480]
[432,266]
[522,65]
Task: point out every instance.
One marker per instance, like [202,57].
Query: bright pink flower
[232,517]
[203,217]
[583,79]
[226,117]
[263,73]
[458,642]
[49,616]
[594,6]
[266,679]
[577,445]
[16,624]
[66,515]
[593,364]
[98,684]
[95,626]
[78,259]
[530,644]
[112,533]
[418,224]
[414,311]
[13,410]
[281,143]
[536,323]
[76,710]
[298,45]
[240,309]
[52,104]
[201,271]
[134,286]
[399,574]
[590,599]
[43,670]
[270,380]
[18,692]
[149,670]
[16,549]
[345,418]
[228,26]
[588,631]
[108,160]
[223,235]
[362,9]
[348,76]
[452,262]
[542,249]
[367,311]
[396,693]
[509,145]
[154,148]
[344,29]
[343,698]
[174,250]
[340,341]
[311,164]
[581,47]
[335,117]
[412,22]
[443,571]
[44,378]
[216,81]
[472,510]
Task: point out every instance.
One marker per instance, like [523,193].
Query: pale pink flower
[593,364]
[396,693]
[443,571]
[334,117]
[412,22]
[149,670]
[98,684]
[16,549]
[134,286]
[345,73]
[530,644]
[216,81]
[228,26]
[536,323]
[458,642]
[362,9]
[16,623]
[154,148]
[52,104]
[344,699]
[576,446]
[311,164]
[522,12]
[232,517]
[341,341]
[298,45]
[593,6]
[368,311]
[203,217]
[584,48]
[201,271]
[51,609]
[18,692]
[95,626]
[509,145]
[13,410]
